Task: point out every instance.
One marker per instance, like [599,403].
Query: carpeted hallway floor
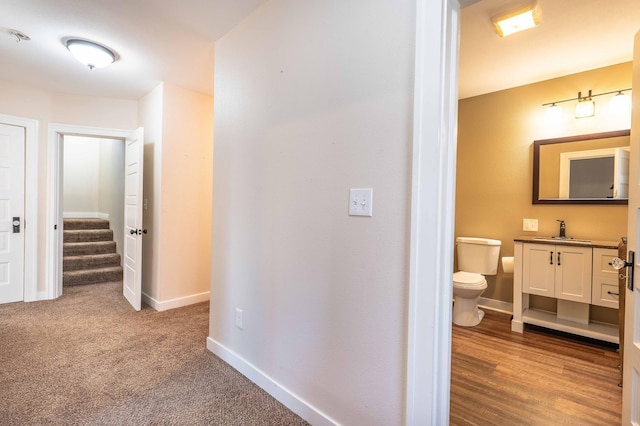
[88,359]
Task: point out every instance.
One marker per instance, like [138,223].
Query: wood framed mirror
[584,169]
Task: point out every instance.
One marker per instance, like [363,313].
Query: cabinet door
[605,290]
[573,273]
[538,266]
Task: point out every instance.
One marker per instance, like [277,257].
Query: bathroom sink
[561,239]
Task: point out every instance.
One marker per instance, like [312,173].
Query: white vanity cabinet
[559,271]
[577,274]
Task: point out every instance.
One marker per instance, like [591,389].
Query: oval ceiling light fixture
[91,54]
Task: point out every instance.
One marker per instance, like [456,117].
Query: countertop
[577,242]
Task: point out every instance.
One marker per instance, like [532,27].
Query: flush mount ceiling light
[90,53]
[517,20]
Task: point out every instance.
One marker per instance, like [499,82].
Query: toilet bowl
[477,257]
[467,289]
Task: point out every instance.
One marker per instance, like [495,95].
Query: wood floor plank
[503,378]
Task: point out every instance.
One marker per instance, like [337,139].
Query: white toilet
[476,257]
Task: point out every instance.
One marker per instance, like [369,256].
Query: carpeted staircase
[89,252]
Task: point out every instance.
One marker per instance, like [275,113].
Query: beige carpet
[88,359]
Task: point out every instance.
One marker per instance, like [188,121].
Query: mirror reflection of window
[591,178]
[596,173]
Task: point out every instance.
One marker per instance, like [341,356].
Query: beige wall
[150,118]
[494,164]
[177,185]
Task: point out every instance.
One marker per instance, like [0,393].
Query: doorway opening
[123,143]
[93,209]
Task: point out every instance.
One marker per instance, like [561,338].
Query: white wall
[48,107]
[313,98]
[94,181]
[111,193]
[81,180]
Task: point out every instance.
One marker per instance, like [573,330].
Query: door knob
[618,264]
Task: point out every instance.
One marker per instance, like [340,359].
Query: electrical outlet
[239,318]
[530,225]
[361,202]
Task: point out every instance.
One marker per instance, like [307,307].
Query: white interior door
[631,376]
[621,174]
[133,230]
[12,152]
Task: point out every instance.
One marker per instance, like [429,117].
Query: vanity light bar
[587,97]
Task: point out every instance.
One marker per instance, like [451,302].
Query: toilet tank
[479,255]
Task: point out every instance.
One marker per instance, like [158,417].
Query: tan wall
[494,164]
[178,187]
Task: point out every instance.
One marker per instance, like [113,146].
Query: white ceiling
[172,41]
[575,36]
[157,40]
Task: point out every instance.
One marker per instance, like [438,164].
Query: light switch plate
[361,202]
[530,225]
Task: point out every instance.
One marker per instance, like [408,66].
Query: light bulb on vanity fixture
[620,103]
[90,53]
[585,107]
[554,112]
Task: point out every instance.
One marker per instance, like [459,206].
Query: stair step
[87,235]
[88,223]
[91,276]
[92,261]
[97,247]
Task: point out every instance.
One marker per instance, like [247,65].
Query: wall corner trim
[273,388]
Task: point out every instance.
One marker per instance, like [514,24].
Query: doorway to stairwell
[93,209]
[132,227]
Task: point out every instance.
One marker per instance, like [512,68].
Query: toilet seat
[468,280]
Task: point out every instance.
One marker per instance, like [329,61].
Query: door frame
[54,240]
[433,176]
[30,227]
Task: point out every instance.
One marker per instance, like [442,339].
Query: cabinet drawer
[605,292]
[602,263]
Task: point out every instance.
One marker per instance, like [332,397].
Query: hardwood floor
[504,378]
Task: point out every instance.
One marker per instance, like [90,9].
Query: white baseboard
[175,303]
[85,215]
[273,388]
[496,305]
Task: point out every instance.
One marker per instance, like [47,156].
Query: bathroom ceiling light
[517,20]
[91,54]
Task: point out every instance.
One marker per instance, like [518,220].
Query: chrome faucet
[563,229]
